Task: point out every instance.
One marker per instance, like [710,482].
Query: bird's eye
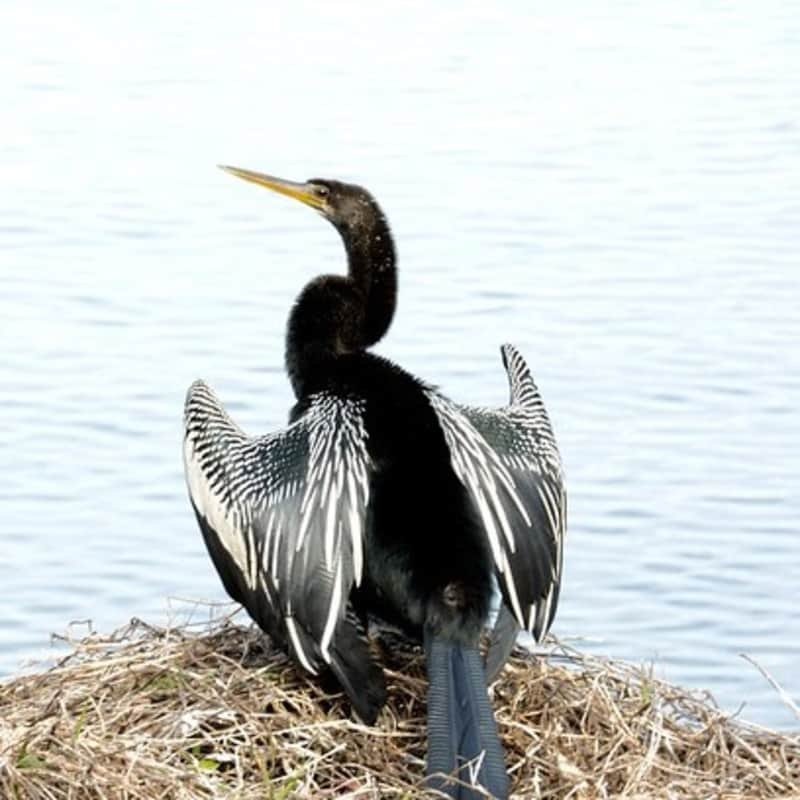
[323,191]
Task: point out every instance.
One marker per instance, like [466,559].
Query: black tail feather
[360,677]
[462,733]
[501,643]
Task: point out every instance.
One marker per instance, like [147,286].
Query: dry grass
[172,713]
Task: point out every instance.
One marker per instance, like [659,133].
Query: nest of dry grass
[173,713]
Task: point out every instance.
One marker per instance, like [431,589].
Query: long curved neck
[337,315]
[372,267]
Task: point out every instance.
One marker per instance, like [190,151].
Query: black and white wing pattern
[508,460]
[283,515]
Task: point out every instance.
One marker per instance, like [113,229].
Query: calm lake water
[616,191]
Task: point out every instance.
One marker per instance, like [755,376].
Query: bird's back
[426,557]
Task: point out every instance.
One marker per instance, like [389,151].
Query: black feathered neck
[335,314]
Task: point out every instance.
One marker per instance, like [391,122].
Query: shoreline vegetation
[212,711]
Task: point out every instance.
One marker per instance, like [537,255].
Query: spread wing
[283,517]
[508,460]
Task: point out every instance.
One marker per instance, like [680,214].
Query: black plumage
[383,498]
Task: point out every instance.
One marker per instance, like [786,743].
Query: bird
[382,499]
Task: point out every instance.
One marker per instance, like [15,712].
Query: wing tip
[197,385]
[512,358]
[198,393]
[507,352]
[508,349]
[522,387]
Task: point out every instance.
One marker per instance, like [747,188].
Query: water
[616,191]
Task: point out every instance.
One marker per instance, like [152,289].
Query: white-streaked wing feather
[283,514]
[508,460]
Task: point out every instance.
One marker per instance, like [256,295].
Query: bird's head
[351,209]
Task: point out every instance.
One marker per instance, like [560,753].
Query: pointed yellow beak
[303,192]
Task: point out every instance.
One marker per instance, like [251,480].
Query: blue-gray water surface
[615,188]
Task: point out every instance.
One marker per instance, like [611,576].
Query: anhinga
[383,498]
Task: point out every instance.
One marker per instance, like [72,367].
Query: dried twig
[782,693]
